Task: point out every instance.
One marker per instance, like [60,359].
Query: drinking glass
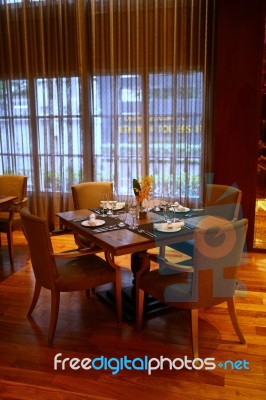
[168,213]
[132,209]
[110,203]
[156,202]
[163,202]
[122,216]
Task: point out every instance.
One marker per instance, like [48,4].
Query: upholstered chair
[64,272]
[12,185]
[221,201]
[208,281]
[89,195]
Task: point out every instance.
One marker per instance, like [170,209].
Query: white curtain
[106,90]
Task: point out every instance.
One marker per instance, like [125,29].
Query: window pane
[117,128]
[59,132]
[175,114]
[15,129]
[171,143]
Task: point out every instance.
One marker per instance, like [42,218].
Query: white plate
[118,206]
[93,224]
[181,210]
[163,227]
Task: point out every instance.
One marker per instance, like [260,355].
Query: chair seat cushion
[82,273]
[167,287]
[186,247]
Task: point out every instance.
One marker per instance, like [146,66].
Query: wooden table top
[123,241]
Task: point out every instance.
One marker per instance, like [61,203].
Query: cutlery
[81,219]
[105,229]
[96,210]
[146,233]
[190,226]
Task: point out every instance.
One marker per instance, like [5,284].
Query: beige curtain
[106,90]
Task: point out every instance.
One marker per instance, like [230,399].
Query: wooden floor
[87,329]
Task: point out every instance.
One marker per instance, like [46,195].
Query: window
[172,131]
[14,126]
[53,130]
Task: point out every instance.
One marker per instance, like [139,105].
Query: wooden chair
[208,281]
[89,195]
[12,185]
[220,200]
[64,272]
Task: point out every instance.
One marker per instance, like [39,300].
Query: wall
[238,69]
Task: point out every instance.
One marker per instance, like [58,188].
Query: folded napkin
[170,226]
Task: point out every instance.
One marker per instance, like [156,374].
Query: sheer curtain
[106,90]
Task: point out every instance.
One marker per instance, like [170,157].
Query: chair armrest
[176,267]
[74,253]
[23,201]
[18,205]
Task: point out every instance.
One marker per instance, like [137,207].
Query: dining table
[116,241]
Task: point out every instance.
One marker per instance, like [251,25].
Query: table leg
[152,307]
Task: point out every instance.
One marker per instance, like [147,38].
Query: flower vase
[141,212]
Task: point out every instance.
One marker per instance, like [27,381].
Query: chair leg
[55,301]
[233,317]
[195,332]
[139,308]
[10,246]
[35,298]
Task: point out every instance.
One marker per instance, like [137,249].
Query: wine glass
[109,204]
[103,205]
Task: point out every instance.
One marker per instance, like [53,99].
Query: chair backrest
[40,246]
[217,256]
[89,194]
[13,185]
[222,200]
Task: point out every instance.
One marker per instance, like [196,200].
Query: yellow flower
[143,188]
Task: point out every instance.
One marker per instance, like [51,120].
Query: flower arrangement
[143,188]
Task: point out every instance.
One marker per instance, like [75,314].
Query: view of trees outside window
[50,122]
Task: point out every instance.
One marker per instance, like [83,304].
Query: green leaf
[136,187]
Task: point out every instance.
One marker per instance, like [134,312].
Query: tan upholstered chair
[64,272]
[221,201]
[89,195]
[12,185]
[208,281]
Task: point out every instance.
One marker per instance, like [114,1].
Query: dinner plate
[94,223]
[181,209]
[118,206]
[164,227]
